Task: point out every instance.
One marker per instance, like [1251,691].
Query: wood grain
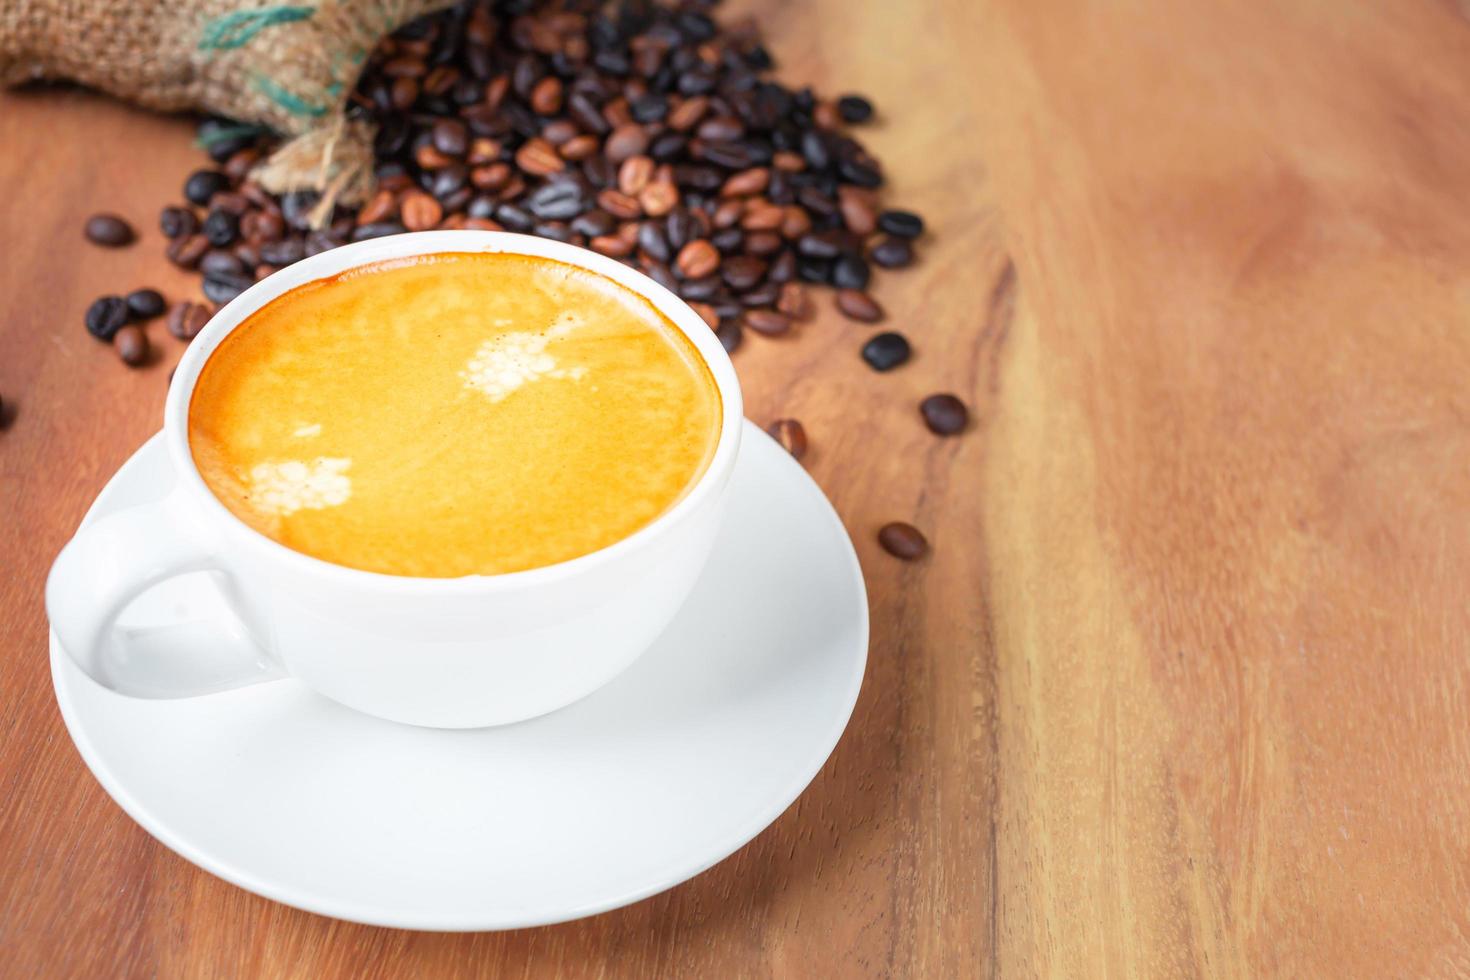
[1184,687]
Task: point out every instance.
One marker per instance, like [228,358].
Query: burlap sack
[290,67]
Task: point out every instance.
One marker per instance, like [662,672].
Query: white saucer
[694,750]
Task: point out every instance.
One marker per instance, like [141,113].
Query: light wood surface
[1184,687]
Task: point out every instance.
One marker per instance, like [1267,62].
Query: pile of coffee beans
[644,131]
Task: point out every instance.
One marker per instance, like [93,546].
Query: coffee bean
[902,541]
[783,268]
[539,157]
[702,288]
[261,226]
[236,204]
[728,241]
[763,243]
[858,211]
[145,303]
[318,242]
[557,231]
[131,344]
[284,252]
[729,334]
[707,314]
[586,113]
[793,301]
[658,198]
[743,271]
[857,305]
[628,140]
[611,246]
[364,232]
[221,228]
[514,217]
[886,351]
[634,174]
[204,184]
[854,109]
[795,222]
[177,222]
[697,259]
[809,269]
[218,262]
[186,251]
[687,114]
[768,322]
[762,295]
[106,316]
[747,182]
[892,252]
[944,414]
[904,224]
[224,287]
[546,96]
[653,241]
[762,216]
[185,320]
[850,272]
[790,434]
[558,200]
[594,222]
[109,230]
[419,211]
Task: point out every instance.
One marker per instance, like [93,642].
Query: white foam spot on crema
[506,362]
[283,488]
[305,431]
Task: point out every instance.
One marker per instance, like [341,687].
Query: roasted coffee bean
[742,272]
[131,344]
[204,184]
[586,113]
[791,435]
[768,322]
[635,173]
[284,252]
[820,244]
[223,138]
[793,301]
[944,414]
[218,262]
[814,150]
[611,246]
[904,224]
[297,206]
[558,200]
[231,202]
[850,272]
[649,108]
[145,303]
[747,182]
[653,241]
[448,181]
[558,132]
[262,226]
[764,294]
[106,316]
[854,109]
[858,212]
[809,269]
[628,140]
[579,147]
[892,252]
[730,334]
[667,146]
[109,230]
[700,289]
[185,320]
[221,228]
[658,198]
[707,314]
[451,138]
[515,218]
[546,96]
[225,287]
[795,222]
[620,205]
[816,202]
[728,241]
[593,223]
[679,226]
[697,259]
[902,541]
[720,129]
[537,156]
[886,351]
[783,268]
[177,222]
[762,216]
[418,211]
[660,273]
[763,243]
[858,305]
[318,242]
[187,250]
[557,231]
[364,232]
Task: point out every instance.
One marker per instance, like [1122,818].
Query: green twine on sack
[236,28]
[289,101]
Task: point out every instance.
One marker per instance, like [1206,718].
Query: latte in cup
[454,414]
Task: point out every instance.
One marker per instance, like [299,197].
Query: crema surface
[452,415]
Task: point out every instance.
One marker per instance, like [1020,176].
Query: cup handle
[113,560]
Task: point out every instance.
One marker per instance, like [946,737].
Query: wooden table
[1184,687]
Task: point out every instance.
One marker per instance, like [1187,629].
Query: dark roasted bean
[783,269]
[700,289]
[730,334]
[185,320]
[768,322]
[558,200]
[743,272]
[653,241]
[225,287]
[886,351]
[904,224]
[728,241]
[318,242]
[450,137]
[820,245]
[667,147]
[558,231]
[204,184]
[850,272]
[649,108]
[857,305]
[109,230]
[902,541]
[218,262]
[145,303]
[378,230]
[221,228]
[765,294]
[594,222]
[177,222]
[791,435]
[813,270]
[892,252]
[944,414]
[131,344]
[106,316]
[284,252]
[854,109]
[186,251]
[515,218]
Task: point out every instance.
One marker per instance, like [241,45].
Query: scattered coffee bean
[857,305]
[854,109]
[892,252]
[221,228]
[218,262]
[223,287]
[902,541]
[768,322]
[944,414]
[697,259]
[186,252]
[204,184]
[790,434]
[850,272]
[729,334]
[886,351]
[145,303]
[185,320]
[904,224]
[106,316]
[419,211]
[109,230]
[177,222]
[131,344]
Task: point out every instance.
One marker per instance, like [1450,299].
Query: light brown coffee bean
[768,322]
[902,541]
[429,157]
[483,224]
[483,150]
[763,243]
[546,96]
[707,314]
[612,246]
[697,259]
[795,222]
[794,301]
[788,161]
[580,147]
[419,211]
[856,305]
[536,156]
[762,215]
[686,114]
[620,205]
[727,214]
[185,320]
[658,198]
[492,177]
[131,344]
[634,174]
[859,209]
[628,140]
[747,182]
[382,206]
[790,434]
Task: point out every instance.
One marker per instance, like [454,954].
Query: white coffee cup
[447,653]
